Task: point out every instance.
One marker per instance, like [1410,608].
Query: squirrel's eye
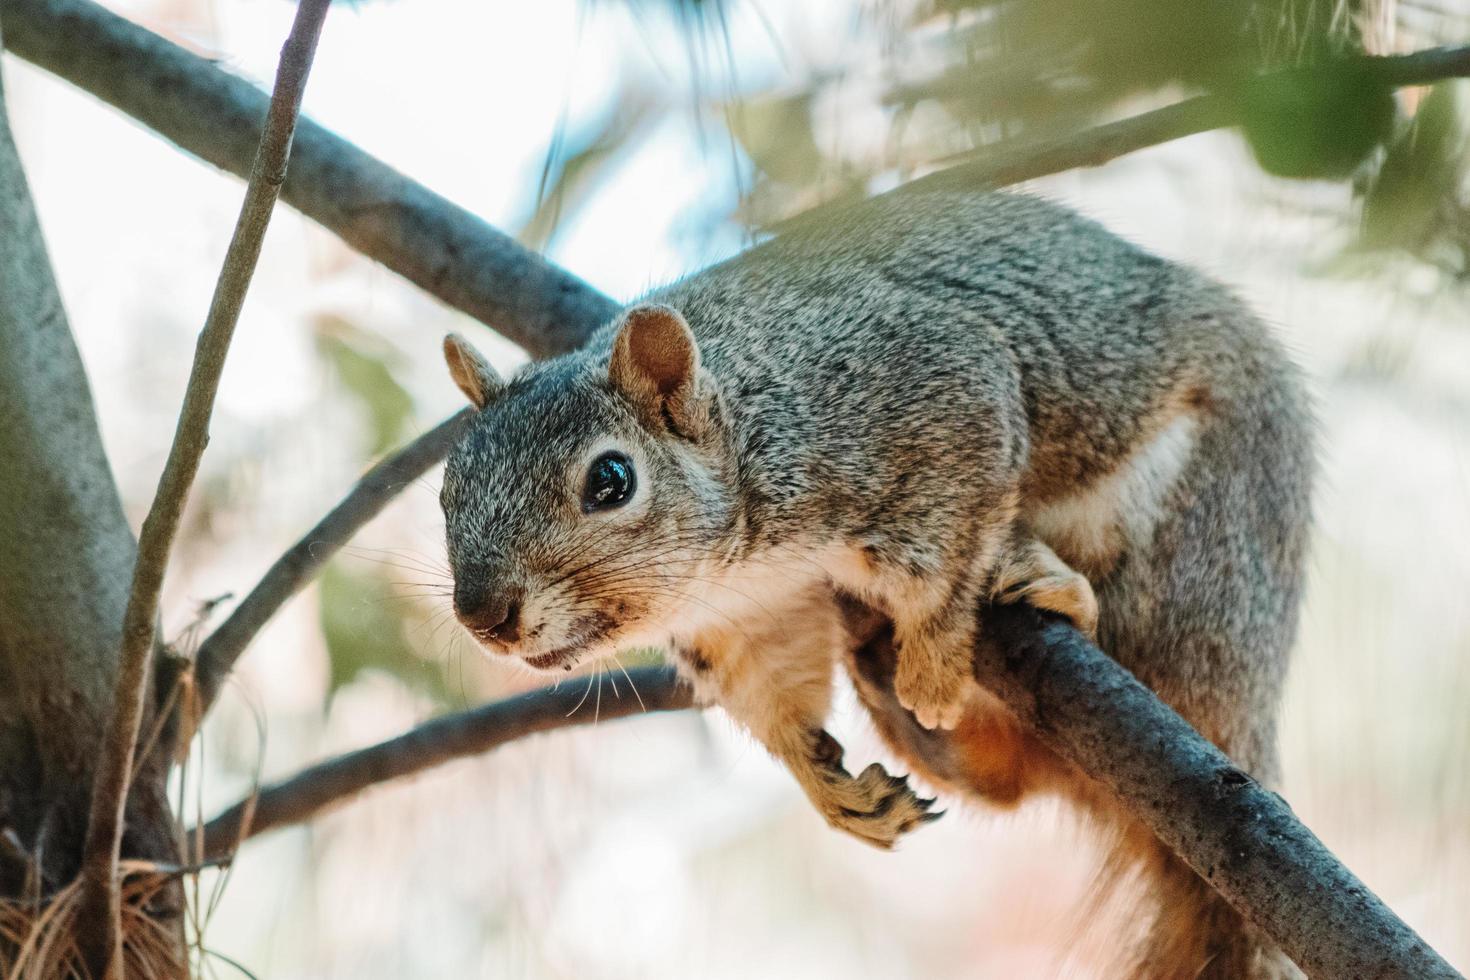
[610,482]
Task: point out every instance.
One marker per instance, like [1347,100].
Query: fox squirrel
[932,400]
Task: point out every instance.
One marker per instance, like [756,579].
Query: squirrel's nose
[491,613]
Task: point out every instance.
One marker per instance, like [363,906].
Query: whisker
[602,661]
[402,557]
[442,575]
[618,660]
[423,484]
[584,698]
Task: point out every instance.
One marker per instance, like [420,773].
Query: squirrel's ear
[471,372]
[655,364]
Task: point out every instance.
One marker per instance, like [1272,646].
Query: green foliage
[957,77]
[362,363]
[1316,123]
[362,622]
[1421,179]
[775,131]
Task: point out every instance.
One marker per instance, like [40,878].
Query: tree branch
[305,795]
[101,897]
[1023,159]
[1241,838]
[442,248]
[298,566]
[1013,162]
[1420,67]
[1238,836]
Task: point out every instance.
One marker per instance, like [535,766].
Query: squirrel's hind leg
[773,675]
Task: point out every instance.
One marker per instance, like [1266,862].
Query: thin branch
[299,565]
[307,794]
[101,895]
[440,247]
[1420,67]
[1023,159]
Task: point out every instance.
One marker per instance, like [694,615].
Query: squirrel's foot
[934,687]
[1035,574]
[875,807]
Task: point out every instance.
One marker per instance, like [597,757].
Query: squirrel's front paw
[876,807]
[935,689]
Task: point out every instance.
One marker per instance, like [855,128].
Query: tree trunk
[65,557]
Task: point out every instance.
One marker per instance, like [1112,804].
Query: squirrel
[932,400]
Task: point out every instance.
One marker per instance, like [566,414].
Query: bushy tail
[1186,930]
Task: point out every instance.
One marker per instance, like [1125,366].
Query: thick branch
[445,250]
[298,566]
[101,896]
[433,743]
[65,547]
[1240,837]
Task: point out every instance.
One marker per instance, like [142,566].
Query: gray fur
[910,380]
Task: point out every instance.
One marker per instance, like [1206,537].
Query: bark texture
[65,554]
[1241,838]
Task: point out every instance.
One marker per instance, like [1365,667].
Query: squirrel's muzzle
[489,612]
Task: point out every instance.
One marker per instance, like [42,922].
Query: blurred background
[636,141]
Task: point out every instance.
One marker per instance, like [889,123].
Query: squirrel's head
[588,495]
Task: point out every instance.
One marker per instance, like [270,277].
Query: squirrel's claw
[876,807]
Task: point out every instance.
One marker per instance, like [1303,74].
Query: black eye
[610,482]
